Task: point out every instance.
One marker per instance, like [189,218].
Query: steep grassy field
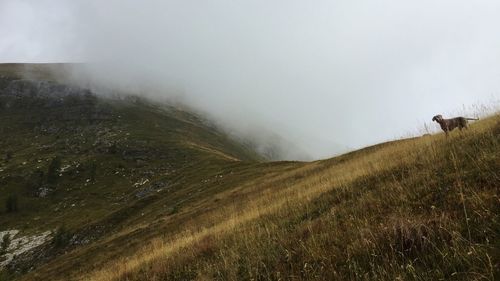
[142,191]
[418,209]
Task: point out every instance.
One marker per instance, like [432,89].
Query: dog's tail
[471,118]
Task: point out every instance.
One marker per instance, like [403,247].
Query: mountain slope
[132,190]
[419,209]
[82,166]
[422,209]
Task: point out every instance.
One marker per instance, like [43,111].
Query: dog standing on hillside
[449,124]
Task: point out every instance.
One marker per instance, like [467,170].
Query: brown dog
[449,124]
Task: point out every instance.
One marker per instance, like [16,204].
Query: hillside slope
[81,167]
[418,209]
[129,190]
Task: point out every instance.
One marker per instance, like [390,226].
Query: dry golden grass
[418,209]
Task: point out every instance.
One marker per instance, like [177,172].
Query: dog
[449,125]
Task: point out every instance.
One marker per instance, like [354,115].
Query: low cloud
[326,76]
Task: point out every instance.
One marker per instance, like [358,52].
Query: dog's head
[437,118]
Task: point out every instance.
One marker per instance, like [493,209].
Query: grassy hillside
[139,191]
[84,167]
[419,209]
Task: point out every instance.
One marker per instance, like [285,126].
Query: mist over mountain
[118,187]
[148,140]
[327,76]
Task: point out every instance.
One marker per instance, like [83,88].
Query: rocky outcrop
[13,245]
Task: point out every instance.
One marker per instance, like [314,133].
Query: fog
[326,76]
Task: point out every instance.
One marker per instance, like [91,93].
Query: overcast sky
[325,75]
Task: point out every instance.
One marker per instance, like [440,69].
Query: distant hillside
[38,71]
[85,165]
[124,189]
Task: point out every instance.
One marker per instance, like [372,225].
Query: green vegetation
[80,163]
[11,204]
[8,155]
[419,209]
[53,171]
[97,166]
[61,237]
[151,192]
